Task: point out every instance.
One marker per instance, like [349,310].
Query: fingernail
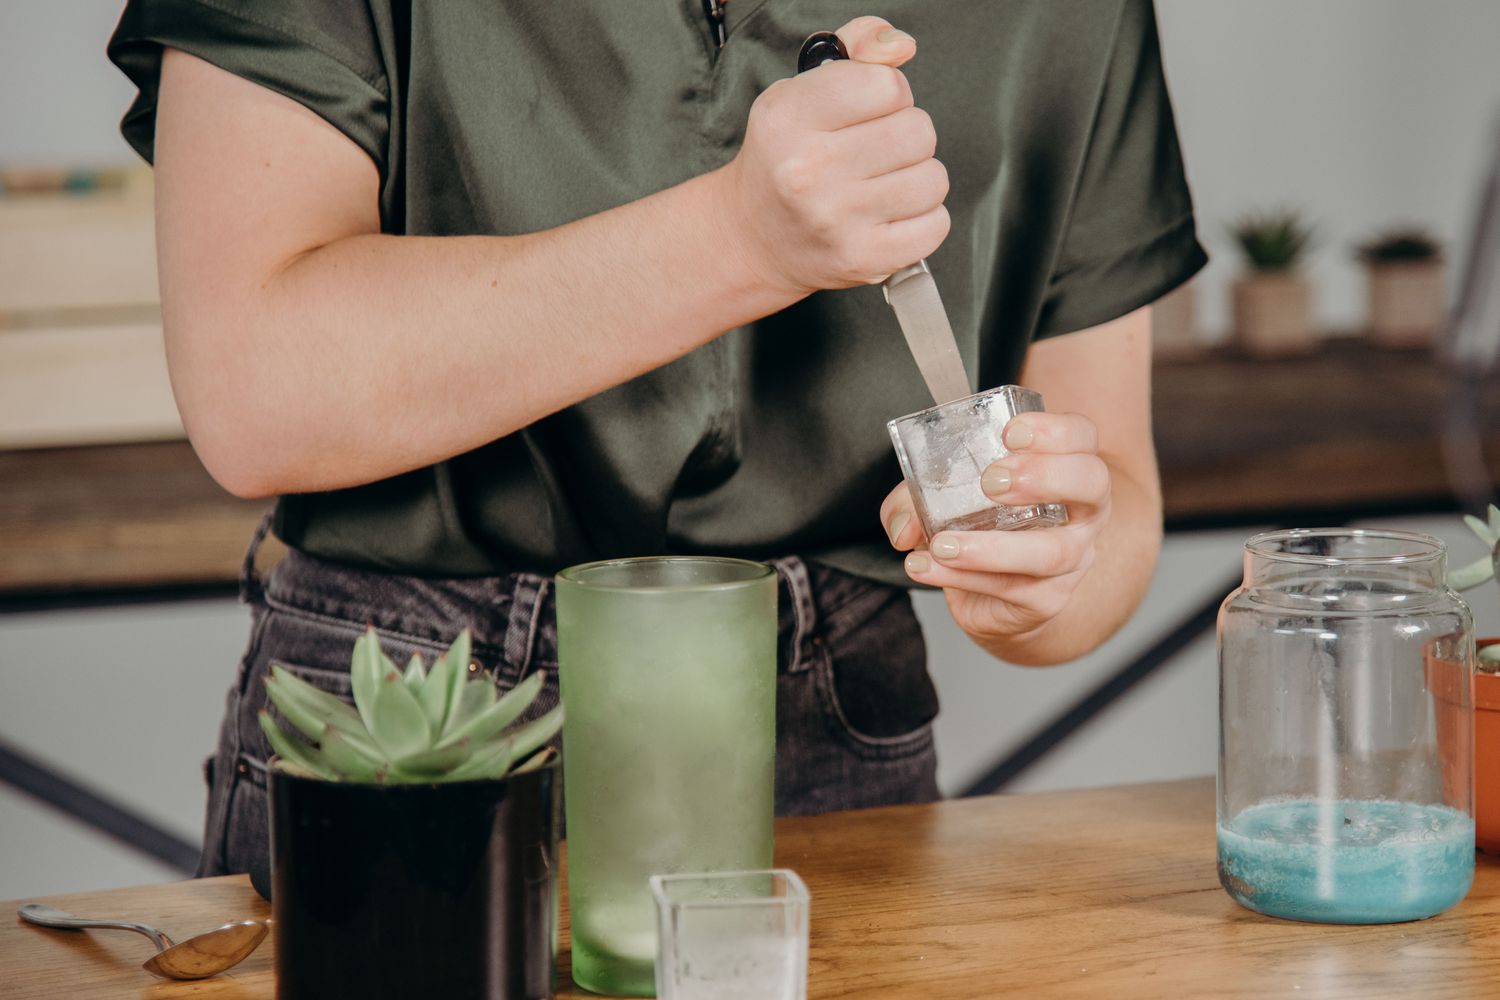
[898,524]
[995,482]
[891,36]
[1018,435]
[918,562]
[944,547]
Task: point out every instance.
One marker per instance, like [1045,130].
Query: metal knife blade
[913,295]
[911,291]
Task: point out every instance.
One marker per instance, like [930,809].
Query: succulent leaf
[499,715]
[478,695]
[1490,655]
[349,761]
[365,673]
[401,727]
[1494,522]
[458,658]
[1483,530]
[540,759]
[433,696]
[293,750]
[536,732]
[492,760]
[1471,575]
[297,770]
[293,709]
[426,765]
[394,733]
[309,708]
[416,672]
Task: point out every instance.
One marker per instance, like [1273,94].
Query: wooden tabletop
[1351,427]
[1105,893]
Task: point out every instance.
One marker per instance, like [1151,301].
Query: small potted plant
[1406,286]
[1486,692]
[1272,303]
[413,833]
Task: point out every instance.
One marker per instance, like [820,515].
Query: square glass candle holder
[731,936]
[944,451]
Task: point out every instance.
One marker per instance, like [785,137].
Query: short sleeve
[1130,236]
[323,54]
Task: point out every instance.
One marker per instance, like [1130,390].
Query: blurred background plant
[1273,240]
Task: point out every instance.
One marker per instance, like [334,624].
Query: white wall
[60,99]
[1363,113]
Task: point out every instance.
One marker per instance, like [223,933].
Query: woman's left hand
[1002,586]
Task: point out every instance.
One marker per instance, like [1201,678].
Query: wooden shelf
[1349,428]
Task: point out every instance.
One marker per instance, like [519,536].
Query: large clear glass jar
[1346,720]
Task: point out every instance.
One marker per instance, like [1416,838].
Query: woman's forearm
[376,354]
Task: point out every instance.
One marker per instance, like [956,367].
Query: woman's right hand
[836,184]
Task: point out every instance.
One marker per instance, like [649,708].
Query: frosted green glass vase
[668,674]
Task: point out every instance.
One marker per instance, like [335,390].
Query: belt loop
[526,605]
[251,588]
[804,617]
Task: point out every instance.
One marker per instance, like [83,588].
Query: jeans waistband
[512,617]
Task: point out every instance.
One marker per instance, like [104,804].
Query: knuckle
[888,87]
[924,133]
[773,102]
[942,223]
[902,96]
[1059,558]
[855,261]
[1097,479]
[1052,603]
[796,176]
[940,181]
[1081,430]
[825,222]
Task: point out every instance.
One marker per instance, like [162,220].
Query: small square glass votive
[731,936]
[944,451]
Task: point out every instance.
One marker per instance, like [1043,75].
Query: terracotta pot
[1487,758]
[1408,302]
[1445,681]
[1272,315]
[1174,327]
[1452,687]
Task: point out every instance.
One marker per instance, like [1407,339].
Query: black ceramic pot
[406,891]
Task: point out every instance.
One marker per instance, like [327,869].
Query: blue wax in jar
[1347,862]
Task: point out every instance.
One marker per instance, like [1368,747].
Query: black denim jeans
[854,701]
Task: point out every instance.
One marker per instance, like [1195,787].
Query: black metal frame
[1101,697]
[47,786]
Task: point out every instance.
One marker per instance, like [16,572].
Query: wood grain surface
[1105,893]
[1350,427]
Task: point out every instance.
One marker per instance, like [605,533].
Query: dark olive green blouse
[1068,200]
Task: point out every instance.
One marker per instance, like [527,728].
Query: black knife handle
[820,47]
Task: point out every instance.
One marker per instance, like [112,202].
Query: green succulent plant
[1406,244]
[1480,570]
[1272,241]
[416,726]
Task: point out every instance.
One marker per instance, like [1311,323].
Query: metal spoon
[198,957]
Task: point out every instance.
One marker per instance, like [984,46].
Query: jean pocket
[872,678]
